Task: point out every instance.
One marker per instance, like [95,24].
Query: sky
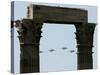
[55,36]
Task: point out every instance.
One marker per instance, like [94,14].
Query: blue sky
[55,36]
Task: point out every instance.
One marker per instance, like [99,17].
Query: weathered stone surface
[84,44]
[29,36]
[30,32]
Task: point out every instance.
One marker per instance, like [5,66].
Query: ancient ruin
[29,30]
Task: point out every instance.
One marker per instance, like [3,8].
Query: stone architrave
[29,30]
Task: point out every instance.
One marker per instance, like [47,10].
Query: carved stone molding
[30,33]
[84,37]
[29,36]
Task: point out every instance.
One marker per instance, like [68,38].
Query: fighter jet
[64,48]
[72,51]
[41,52]
[51,50]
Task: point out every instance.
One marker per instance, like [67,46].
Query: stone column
[84,36]
[29,37]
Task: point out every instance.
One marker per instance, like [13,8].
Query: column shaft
[84,36]
[29,37]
